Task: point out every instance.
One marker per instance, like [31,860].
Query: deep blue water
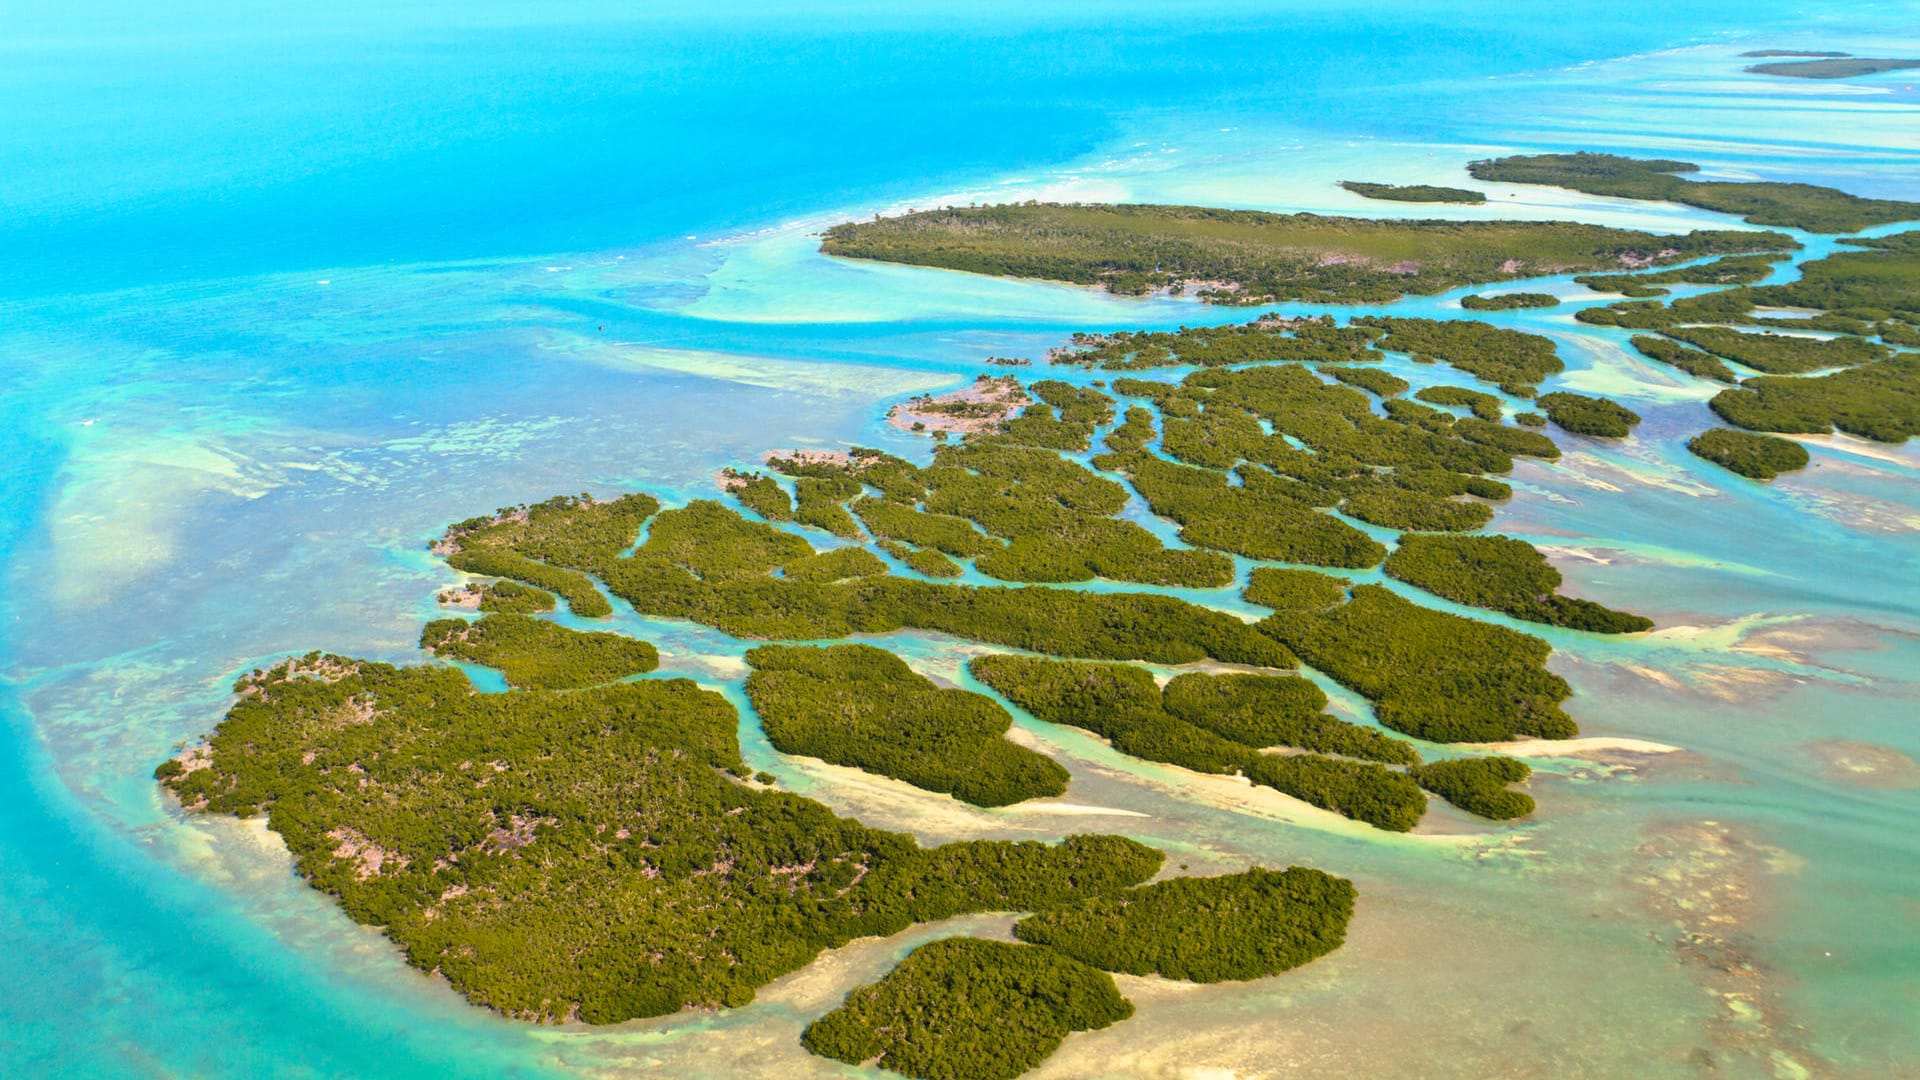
[213,143]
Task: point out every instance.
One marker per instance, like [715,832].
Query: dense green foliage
[1509,301]
[1485,406]
[585,854]
[500,596]
[1511,440]
[705,563]
[836,564]
[819,503]
[1865,292]
[861,706]
[895,520]
[1269,339]
[1119,702]
[1022,512]
[761,494]
[1585,415]
[922,560]
[1779,354]
[1397,508]
[535,654]
[1513,360]
[1501,574]
[1760,457]
[515,598]
[1875,401]
[1419,193]
[1296,446]
[1793,206]
[1732,270]
[968,1009]
[1218,728]
[1360,790]
[1691,361]
[1239,926]
[1260,257]
[1430,674]
[1380,383]
[1287,589]
[1276,710]
[1478,785]
[533,544]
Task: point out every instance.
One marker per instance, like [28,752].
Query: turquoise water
[282,296]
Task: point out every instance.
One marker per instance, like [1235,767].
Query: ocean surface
[284,291]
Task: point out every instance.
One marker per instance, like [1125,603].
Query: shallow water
[280,303]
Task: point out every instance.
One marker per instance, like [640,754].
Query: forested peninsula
[1255,257]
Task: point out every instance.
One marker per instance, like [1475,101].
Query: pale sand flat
[1585,746]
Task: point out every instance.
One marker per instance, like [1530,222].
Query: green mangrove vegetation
[1360,790]
[968,1009]
[536,544]
[1276,710]
[1692,361]
[1259,453]
[1779,354]
[706,563]
[1511,440]
[1584,415]
[1513,360]
[1266,340]
[1759,457]
[1512,301]
[1502,574]
[1415,193]
[1373,380]
[1284,588]
[1731,270]
[1119,702]
[535,654]
[818,503]
[922,560]
[1431,675]
[1217,729]
[1874,290]
[1204,930]
[759,493]
[500,596]
[861,706]
[1398,508]
[1793,206]
[1254,257]
[1483,405]
[1478,785]
[592,847]
[586,854]
[1879,401]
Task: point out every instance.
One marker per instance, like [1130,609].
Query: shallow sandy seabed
[1866,764]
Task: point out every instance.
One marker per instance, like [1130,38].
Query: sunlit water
[283,299]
